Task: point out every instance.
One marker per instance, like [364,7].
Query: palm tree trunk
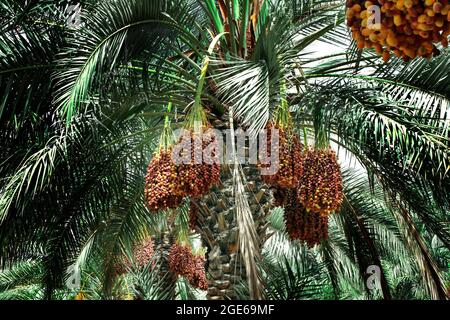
[217,226]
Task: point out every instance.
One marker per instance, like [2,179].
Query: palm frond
[96,50]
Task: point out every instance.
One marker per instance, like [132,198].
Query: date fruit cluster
[289,162]
[407,28]
[198,279]
[169,181]
[201,171]
[308,227]
[319,193]
[320,188]
[184,263]
[193,215]
[279,196]
[142,255]
[160,183]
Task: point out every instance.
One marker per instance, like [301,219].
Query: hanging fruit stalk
[161,178]
[289,148]
[407,28]
[199,169]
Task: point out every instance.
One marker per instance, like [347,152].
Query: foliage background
[81,108]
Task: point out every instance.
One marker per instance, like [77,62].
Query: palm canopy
[82,106]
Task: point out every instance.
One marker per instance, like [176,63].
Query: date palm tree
[83,92]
